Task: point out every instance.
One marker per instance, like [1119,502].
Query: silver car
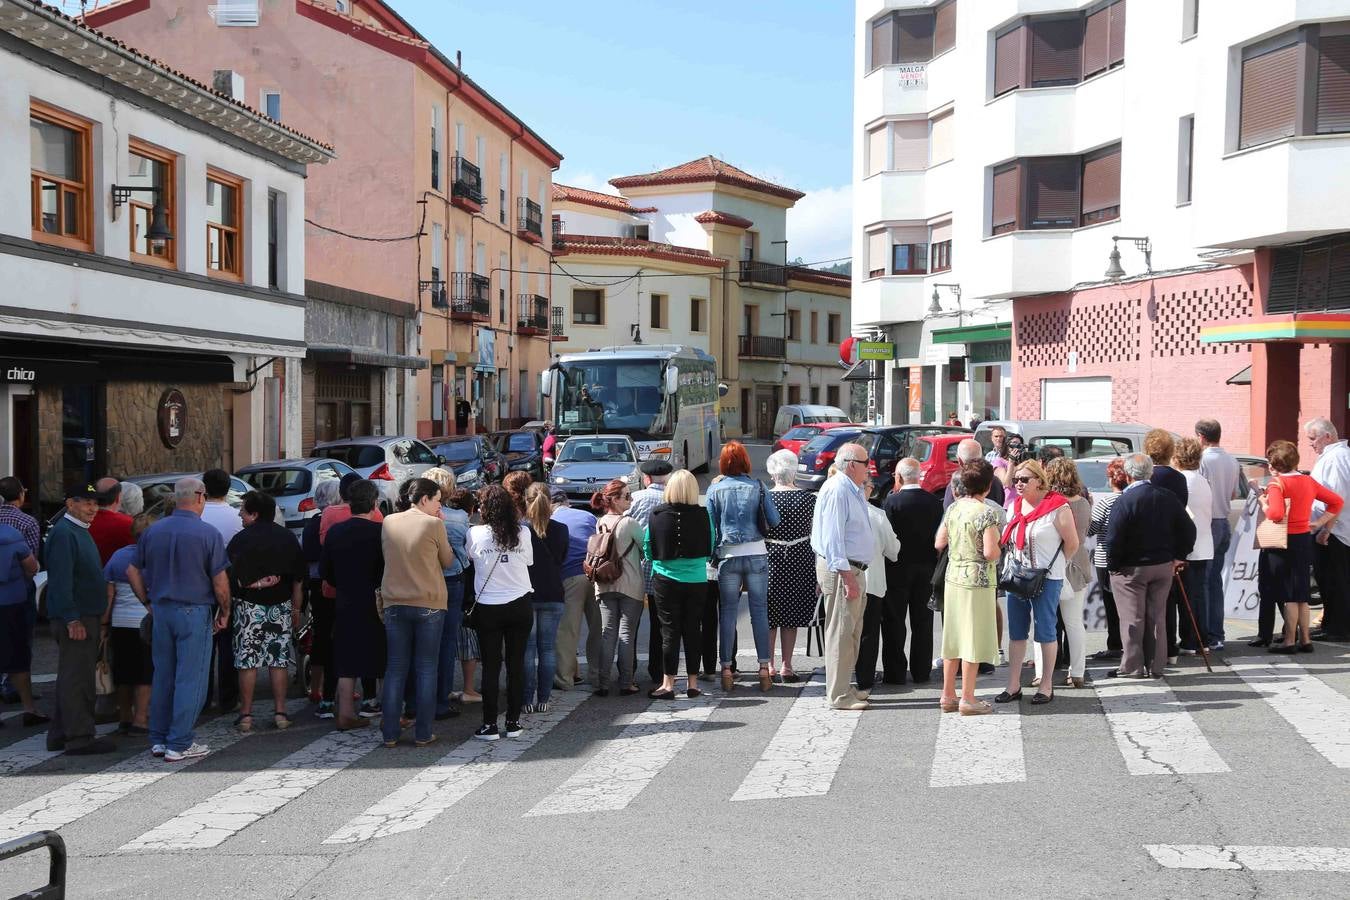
[158,490]
[292,483]
[386,460]
[587,462]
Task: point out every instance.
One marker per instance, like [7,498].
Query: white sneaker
[194,752]
[158,750]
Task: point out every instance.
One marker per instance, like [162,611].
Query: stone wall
[134,447]
[50,477]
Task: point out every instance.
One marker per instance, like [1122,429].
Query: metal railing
[559,322]
[531,217]
[467,181]
[55,888]
[762,272]
[533,313]
[767,347]
[471,294]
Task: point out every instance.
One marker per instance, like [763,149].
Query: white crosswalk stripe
[1153,730]
[624,766]
[32,751]
[1317,712]
[1254,859]
[974,750]
[806,751]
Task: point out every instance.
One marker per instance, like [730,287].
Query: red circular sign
[848,351]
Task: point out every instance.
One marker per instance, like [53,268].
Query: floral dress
[969,629]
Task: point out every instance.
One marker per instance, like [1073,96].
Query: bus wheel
[707,460]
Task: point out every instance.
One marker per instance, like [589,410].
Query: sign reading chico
[172,417]
[21,374]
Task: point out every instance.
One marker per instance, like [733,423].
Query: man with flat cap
[654,471]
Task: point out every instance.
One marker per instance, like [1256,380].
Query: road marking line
[1318,713]
[625,765]
[1153,730]
[32,750]
[1254,859]
[71,802]
[217,818]
[978,750]
[457,774]
[806,751]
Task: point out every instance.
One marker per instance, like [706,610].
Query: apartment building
[697,254]
[428,255]
[152,252]
[1114,209]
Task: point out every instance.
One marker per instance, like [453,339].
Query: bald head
[969,450]
[851,461]
[109,493]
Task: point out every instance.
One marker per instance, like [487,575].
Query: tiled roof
[563,193]
[713,217]
[597,245]
[708,168]
[801,273]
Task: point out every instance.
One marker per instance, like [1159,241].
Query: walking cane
[1199,638]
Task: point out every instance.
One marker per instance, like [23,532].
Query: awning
[974,334]
[862,370]
[1306,328]
[355,356]
[1243,377]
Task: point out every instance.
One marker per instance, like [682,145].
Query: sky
[621,87]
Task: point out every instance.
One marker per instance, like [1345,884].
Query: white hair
[185,490]
[908,470]
[133,499]
[1319,427]
[327,493]
[782,467]
[1139,466]
[969,450]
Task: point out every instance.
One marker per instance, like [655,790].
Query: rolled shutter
[944,31]
[1333,84]
[914,38]
[1096,41]
[910,143]
[941,140]
[883,41]
[909,234]
[878,251]
[1269,92]
[1116,38]
[1101,181]
[876,150]
[1053,192]
[1005,197]
[940,232]
[1056,52]
[1008,61]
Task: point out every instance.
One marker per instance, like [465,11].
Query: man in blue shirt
[841,536]
[578,597]
[18,613]
[181,566]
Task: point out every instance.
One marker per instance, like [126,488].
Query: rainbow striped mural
[1306,328]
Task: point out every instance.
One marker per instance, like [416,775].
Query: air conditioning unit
[235,12]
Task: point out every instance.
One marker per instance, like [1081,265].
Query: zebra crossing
[1148,726]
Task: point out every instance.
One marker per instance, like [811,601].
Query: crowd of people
[398,611]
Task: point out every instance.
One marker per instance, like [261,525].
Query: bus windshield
[611,395]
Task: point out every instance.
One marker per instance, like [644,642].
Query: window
[794,325]
[276,210]
[501,190]
[658,309]
[696,323]
[1297,83]
[832,395]
[815,327]
[912,36]
[480,146]
[344,6]
[1050,51]
[794,394]
[61,176]
[150,167]
[876,150]
[815,395]
[941,138]
[435,148]
[224,225]
[437,239]
[1056,191]
[940,247]
[271,104]
[504,268]
[1101,186]
[832,328]
[909,259]
[1190,18]
[1313,277]
[1185,153]
[588,307]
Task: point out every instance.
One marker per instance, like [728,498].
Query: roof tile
[707,168]
[563,193]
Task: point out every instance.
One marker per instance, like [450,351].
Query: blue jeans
[1196,579]
[181,650]
[753,573]
[1043,609]
[1223,536]
[413,636]
[541,658]
[449,658]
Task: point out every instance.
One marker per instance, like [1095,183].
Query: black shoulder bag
[1024,580]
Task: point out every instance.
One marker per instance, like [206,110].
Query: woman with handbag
[620,598]
[1064,479]
[1040,536]
[1283,571]
[969,535]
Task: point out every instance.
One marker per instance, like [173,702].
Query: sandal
[1074,681]
[693,692]
[765,678]
[978,708]
[655,694]
[1041,699]
[951,705]
[791,677]
[1006,697]
[1036,682]
[244,722]
[281,721]
[728,680]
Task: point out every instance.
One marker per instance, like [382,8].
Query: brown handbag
[1272,535]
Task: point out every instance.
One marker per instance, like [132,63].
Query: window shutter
[1056,52]
[1338,279]
[1283,292]
[1333,84]
[1052,192]
[941,141]
[1005,197]
[1008,61]
[944,31]
[883,41]
[910,141]
[1269,91]
[1096,36]
[1101,180]
[1116,38]
[876,150]
[878,251]
[940,232]
[914,38]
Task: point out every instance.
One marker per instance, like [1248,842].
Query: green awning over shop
[973,334]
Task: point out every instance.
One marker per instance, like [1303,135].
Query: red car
[936,454]
[798,437]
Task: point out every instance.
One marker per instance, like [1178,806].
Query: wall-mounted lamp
[159,234]
[1114,271]
[935,308]
[437,288]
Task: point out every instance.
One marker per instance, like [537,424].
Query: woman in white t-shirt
[503,612]
[1195,577]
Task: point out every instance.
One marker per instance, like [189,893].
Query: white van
[792,415]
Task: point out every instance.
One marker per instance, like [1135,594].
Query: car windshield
[520,443]
[459,451]
[801,433]
[414,453]
[279,482]
[601,394]
[1093,476]
[580,449]
[358,456]
[829,417]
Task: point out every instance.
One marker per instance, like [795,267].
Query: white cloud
[587,180]
[819,225]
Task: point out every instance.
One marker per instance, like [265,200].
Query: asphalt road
[1202,785]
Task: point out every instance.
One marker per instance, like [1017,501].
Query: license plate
[801,467]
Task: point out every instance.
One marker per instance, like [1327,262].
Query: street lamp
[158,234]
[1114,270]
[935,308]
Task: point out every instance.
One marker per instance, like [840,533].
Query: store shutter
[1008,61]
[914,38]
[1096,32]
[1269,91]
[1283,292]
[1116,38]
[910,145]
[1101,182]
[1005,199]
[941,139]
[876,150]
[1333,84]
[944,31]
[878,252]
[883,41]
[1056,52]
[1052,192]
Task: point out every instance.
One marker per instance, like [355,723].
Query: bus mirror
[546,383]
[672,379]
[722,389]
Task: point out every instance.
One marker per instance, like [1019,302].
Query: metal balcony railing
[533,317]
[531,218]
[467,182]
[559,320]
[763,347]
[762,272]
[470,294]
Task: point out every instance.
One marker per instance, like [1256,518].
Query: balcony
[559,333]
[758,347]
[530,224]
[470,298]
[533,316]
[755,271]
[466,188]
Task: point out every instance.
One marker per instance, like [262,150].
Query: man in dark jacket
[915,515]
[1148,537]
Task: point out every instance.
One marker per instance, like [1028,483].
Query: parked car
[1076,439]
[887,445]
[292,483]
[472,457]
[158,490]
[522,450]
[814,460]
[796,438]
[936,454]
[794,414]
[386,460]
[586,462]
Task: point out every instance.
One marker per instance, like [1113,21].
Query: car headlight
[469,473]
[560,480]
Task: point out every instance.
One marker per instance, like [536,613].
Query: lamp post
[935,308]
[158,235]
[1114,270]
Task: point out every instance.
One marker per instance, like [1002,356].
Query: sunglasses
[1023,479]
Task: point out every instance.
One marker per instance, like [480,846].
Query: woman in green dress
[969,533]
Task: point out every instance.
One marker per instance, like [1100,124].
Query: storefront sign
[172,417]
[876,350]
[1241,598]
[487,350]
[916,389]
[20,375]
[990,352]
[913,75]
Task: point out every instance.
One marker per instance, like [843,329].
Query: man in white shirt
[1331,550]
[1222,472]
[224,518]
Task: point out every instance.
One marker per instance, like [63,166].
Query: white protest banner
[1241,599]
